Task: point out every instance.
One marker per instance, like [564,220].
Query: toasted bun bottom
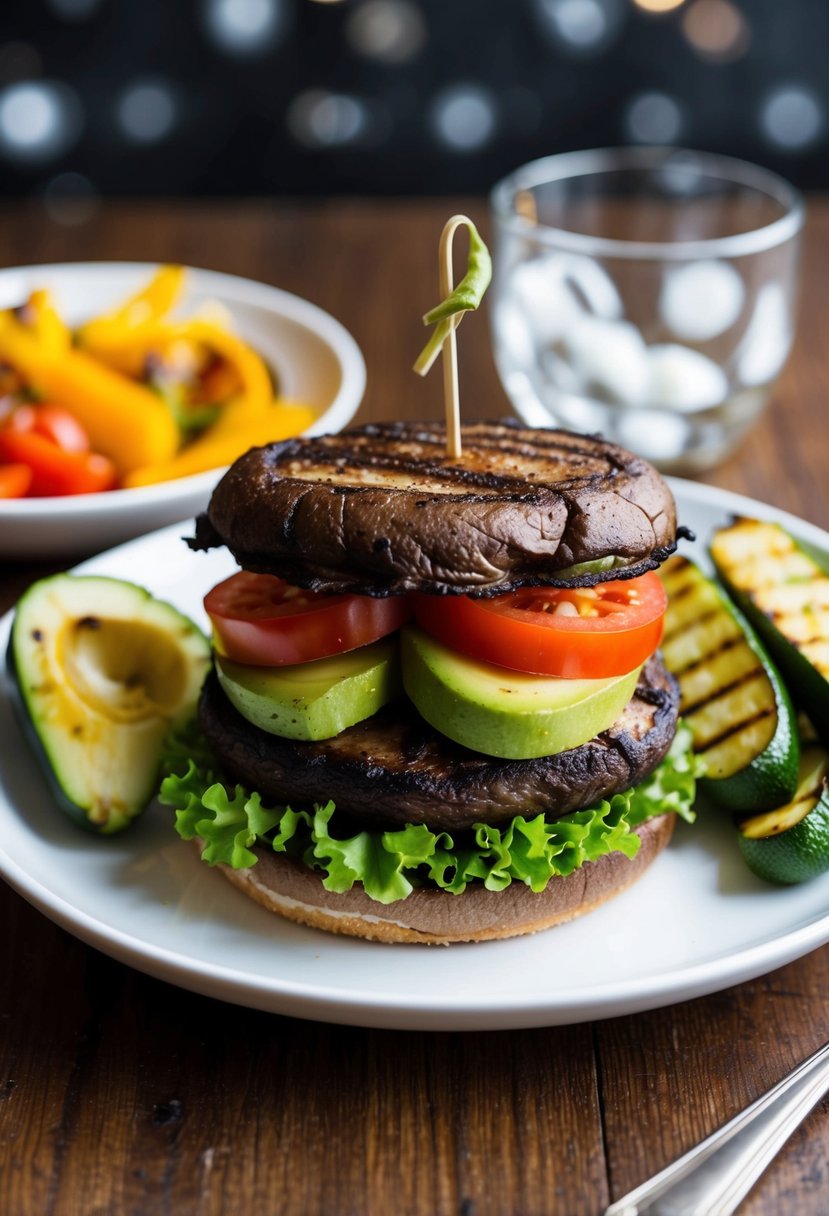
[434,917]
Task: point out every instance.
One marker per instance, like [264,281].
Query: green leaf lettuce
[231,820]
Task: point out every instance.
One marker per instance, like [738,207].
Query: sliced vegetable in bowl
[141,386]
[309,354]
[49,443]
[120,416]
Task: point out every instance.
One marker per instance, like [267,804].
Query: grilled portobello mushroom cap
[382,510]
[393,769]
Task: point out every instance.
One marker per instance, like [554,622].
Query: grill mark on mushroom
[518,507]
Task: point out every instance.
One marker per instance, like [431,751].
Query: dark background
[275,97]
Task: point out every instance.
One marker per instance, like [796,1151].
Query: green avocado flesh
[314,700]
[504,713]
[102,671]
[599,565]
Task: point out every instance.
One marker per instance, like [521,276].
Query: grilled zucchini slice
[784,592]
[791,844]
[731,695]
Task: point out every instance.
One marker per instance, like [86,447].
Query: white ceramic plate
[315,360]
[697,922]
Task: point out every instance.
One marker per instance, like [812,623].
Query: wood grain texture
[121,1094]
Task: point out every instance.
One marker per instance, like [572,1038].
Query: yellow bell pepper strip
[244,376]
[235,433]
[251,371]
[123,338]
[202,336]
[140,311]
[124,421]
[42,317]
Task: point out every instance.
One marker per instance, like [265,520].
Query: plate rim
[493,1009]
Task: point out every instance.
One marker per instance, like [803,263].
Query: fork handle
[714,1177]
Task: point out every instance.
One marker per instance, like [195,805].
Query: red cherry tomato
[52,422]
[15,480]
[578,633]
[262,620]
[55,472]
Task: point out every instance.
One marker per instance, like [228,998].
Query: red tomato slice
[15,480]
[263,620]
[578,633]
[55,472]
[52,422]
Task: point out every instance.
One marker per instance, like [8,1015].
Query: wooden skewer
[446,318]
[451,393]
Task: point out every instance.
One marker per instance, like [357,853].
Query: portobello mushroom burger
[437,711]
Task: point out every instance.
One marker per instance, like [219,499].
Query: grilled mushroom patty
[381,510]
[393,769]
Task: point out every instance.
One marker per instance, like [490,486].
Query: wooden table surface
[122,1094]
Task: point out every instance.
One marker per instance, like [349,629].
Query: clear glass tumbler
[647,294]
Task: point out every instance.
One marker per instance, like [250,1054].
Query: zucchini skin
[809,687]
[99,671]
[769,779]
[76,813]
[790,855]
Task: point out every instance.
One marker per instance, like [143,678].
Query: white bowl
[315,360]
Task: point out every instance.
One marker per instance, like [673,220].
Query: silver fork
[718,1173]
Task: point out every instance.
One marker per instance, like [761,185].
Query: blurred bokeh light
[716,29]
[658,6]
[244,26]
[239,97]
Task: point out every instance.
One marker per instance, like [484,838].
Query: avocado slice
[101,672]
[599,565]
[505,713]
[314,700]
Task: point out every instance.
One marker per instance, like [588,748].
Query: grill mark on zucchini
[730,695]
[790,844]
[785,593]
[702,619]
[682,592]
[726,645]
[689,709]
[735,729]
[743,553]
[815,640]
[699,586]
[811,795]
